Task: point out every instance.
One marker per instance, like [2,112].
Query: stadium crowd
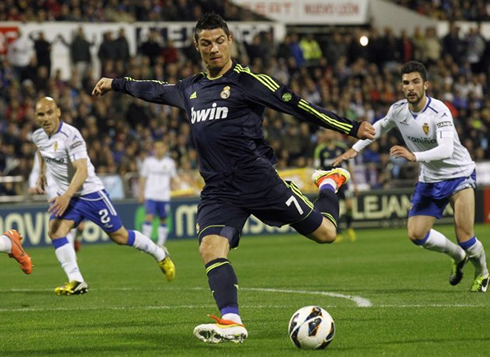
[335,72]
[119,10]
[451,10]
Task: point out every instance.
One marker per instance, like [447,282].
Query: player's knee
[56,233]
[416,234]
[119,238]
[326,233]
[213,247]
[207,250]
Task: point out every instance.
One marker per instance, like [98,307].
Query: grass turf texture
[131,310]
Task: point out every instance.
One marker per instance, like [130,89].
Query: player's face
[414,87]
[48,116]
[160,149]
[214,47]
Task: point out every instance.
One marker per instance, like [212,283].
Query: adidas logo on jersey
[208,114]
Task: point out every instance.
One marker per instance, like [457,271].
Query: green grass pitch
[131,310]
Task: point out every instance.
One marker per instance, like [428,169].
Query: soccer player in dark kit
[225,106]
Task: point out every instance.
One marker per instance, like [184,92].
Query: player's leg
[150,210]
[77,243]
[10,243]
[162,232]
[65,253]
[422,234]
[162,210]
[70,236]
[139,241]
[223,283]
[98,208]
[219,227]
[351,233]
[421,217]
[463,203]
[328,183]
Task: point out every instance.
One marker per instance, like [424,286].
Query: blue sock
[130,238]
[59,242]
[421,241]
[468,244]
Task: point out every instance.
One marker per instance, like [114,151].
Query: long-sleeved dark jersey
[226,114]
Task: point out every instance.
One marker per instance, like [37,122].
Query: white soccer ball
[312,328]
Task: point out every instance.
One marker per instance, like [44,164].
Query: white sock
[146,245]
[162,235]
[68,259]
[71,237]
[438,242]
[147,229]
[5,244]
[477,256]
[232,317]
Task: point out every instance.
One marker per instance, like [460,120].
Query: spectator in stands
[42,47]
[170,53]
[81,58]
[336,47]
[151,48]
[296,51]
[311,50]
[453,44]
[475,49]
[20,54]
[433,46]
[405,47]
[107,49]
[121,46]
[389,52]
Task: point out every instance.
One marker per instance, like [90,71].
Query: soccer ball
[312,328]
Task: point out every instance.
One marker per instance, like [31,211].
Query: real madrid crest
[55,146]
[425,127]
[225,93]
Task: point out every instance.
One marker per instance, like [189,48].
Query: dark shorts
[430,199]
[226,204]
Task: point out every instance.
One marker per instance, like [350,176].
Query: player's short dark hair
[210,21]
[414,66]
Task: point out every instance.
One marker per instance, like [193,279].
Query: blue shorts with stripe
[96,207]
[157,208]
[226,204]
[430,199]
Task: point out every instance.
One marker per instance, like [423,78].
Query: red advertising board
[7,35]
[486,205]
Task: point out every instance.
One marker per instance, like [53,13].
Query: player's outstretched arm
[103,86]
[349,154]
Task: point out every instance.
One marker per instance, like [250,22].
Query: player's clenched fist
[103,86]
[366,131]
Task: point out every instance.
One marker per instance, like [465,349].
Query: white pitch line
[167,307]
[360,301]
